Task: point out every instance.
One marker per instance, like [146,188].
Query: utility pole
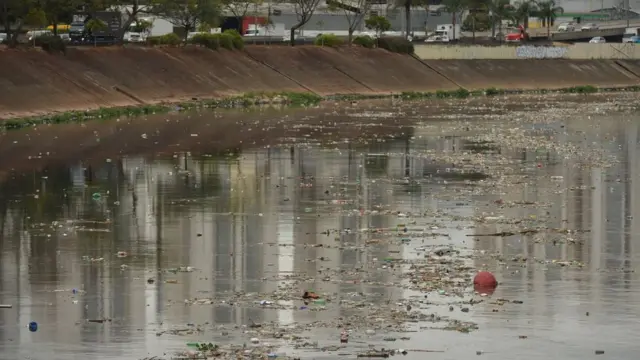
[628,12]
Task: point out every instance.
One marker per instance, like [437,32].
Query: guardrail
[574,35]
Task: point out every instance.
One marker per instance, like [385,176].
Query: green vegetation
[236,39]
[246,100]
[51,44]
[365,41]
[168,39]
[230,40]
[211,41]
[492,91]
[302,99]
[586,89]
[226,41]
[489,14]
[328,40]
[395,44]
[379,24]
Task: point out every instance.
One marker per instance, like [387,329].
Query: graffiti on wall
[540,52]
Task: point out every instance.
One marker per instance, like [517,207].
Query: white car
[437,39]
[566,27]
[34,34]
[134,37]
[597,40]
[590,27]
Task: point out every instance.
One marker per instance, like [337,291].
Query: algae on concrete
[302,99]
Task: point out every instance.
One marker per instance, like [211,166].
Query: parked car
[597,40]
[590,27]
[437,39]
[33,34]
[3,37]
[134,37]
[566,27]
[635,39]
[514,37]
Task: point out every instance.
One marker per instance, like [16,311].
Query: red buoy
[485,280]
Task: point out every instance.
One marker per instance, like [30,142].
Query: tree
[142,26]
[304,11]
[523,11]
[377,23]
[239,8]
[354,12]
[454,7]
[498,11]
[59,10]
[477,15]
[189,14]
[406,5]
[94,26]
[548,11]
[15,12]
[130,9]
[36,18]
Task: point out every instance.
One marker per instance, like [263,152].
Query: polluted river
[349,230]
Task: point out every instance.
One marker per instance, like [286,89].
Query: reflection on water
[247,222]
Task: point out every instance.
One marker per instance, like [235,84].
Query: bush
[211,41]
[226,41]
[397,45]
[230,39]
[328,40]
[365,41]
[167,39]
[51,43]
[238,42]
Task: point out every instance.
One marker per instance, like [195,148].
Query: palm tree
[523,11]
[548,11]
[455,7]
[475,7]
[407,5]
[499,10]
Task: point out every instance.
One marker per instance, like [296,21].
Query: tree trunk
[493,27]
[187,30]
[350,36]
[125,27]
[407,15]
[453,21]
[55,26]
[292,35]
[12,36]
[473,27]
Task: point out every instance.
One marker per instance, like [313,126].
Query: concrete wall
[33,82]
[581,51]
[533,74]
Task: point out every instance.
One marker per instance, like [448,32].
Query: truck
[271,30]
[445,33]
[78,32]
[629,33]
[517,36]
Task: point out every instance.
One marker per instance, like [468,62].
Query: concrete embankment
[535,74]
[34,82]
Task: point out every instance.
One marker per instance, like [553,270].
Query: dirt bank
[34,82]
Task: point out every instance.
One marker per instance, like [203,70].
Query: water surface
[193,227]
